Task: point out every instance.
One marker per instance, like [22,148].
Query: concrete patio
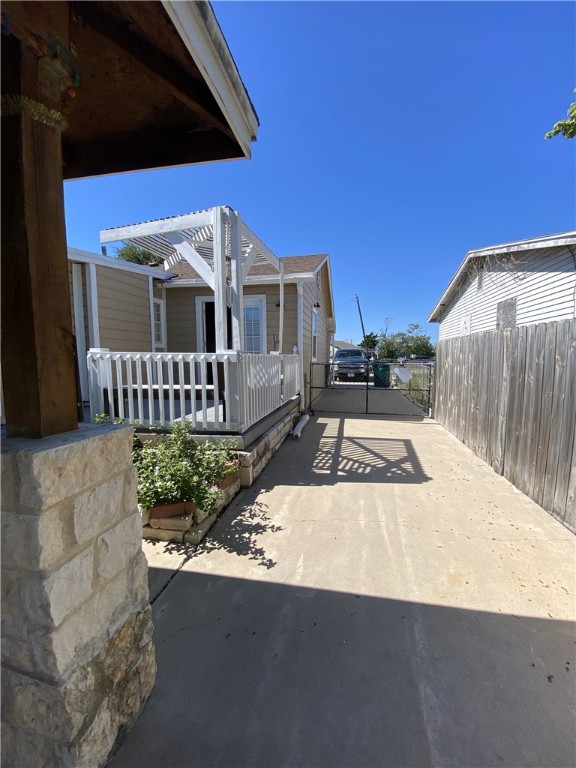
[379,597]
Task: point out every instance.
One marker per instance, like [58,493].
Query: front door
[209,326]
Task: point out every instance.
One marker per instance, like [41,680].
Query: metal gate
[392,387]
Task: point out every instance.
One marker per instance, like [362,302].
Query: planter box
[179,523]
[178,509]
[232,477]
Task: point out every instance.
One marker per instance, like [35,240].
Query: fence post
[232,388]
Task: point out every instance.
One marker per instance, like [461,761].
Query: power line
[346,302]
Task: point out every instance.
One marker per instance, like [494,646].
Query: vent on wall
[465,323]
[506,314]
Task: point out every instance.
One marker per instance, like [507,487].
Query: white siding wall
[542,281]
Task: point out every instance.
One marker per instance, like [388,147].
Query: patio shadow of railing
[325,455]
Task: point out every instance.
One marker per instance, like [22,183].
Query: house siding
[542,281]
[181,316]
[123,310]
[312,293]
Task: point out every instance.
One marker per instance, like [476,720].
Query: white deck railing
[212,392]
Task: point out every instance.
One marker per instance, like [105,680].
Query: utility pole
[361,322]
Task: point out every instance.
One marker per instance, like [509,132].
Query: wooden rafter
[194,94]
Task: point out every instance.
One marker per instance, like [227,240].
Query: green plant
[566,128]
[104,418]
[178,468]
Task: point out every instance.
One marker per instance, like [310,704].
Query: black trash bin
[381,374]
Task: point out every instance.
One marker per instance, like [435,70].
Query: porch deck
[213,392]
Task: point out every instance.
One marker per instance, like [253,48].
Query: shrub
[180,469]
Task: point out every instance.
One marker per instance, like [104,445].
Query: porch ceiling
[197,230]
[140,84]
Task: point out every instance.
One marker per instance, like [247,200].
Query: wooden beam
[249,257]
[38,367]
[236,273]
[220,303]
[281,331]
[260,246]
[192,256]
[157,227]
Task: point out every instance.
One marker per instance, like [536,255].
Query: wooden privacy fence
[510,396]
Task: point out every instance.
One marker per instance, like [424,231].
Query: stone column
[77,655]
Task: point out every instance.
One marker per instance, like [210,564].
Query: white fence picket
[144,386]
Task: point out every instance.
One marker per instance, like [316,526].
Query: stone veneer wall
[253,460]
[77,653]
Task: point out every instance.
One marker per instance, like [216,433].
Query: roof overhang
[141,84]
[202,36]
[547,241]
[77,255]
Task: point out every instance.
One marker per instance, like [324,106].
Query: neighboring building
[344,345]
[506,364]
[519,283]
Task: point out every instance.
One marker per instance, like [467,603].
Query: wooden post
[37,341]
[237,281]
[281,333]
[220,304]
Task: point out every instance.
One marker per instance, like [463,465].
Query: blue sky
[394,136]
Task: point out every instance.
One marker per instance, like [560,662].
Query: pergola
[221,248]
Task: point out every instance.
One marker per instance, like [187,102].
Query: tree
[411,342]
[136,254]
[565,127]
[370,341]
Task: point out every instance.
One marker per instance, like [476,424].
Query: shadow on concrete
[323,456]
[237,531]
[254,673]
[326,456]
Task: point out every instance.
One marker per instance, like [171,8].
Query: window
[314,334]
[158,322]
[255,324]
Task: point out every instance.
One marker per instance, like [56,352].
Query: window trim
[257,299]
[161,341]
[249,300]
